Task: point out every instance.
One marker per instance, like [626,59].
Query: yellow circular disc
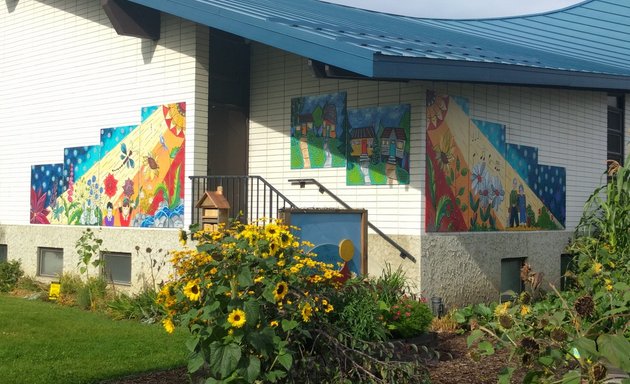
[346,249]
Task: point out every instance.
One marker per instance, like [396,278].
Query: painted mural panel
[477,181]
[134,177]
[318,131]
[47,182]
[378,145]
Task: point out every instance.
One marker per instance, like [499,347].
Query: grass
[48,343]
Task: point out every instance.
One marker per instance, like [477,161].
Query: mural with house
[378,145]
[476,181]
[134,177]
[318,131]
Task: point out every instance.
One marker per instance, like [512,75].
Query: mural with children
[476,181]
[134,177]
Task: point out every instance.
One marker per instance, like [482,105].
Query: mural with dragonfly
[133,177]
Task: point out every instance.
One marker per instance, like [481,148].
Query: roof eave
[399,67]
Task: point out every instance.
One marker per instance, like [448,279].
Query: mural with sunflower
[476,181]
[133,177]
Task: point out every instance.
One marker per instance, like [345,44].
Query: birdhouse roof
[213,200]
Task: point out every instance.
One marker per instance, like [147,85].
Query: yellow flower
[182,237]
[192,291]
[525,309]
[237,318]
[280,291]
[230,332]
[502,309]
[259,279]
[609,286]
[307,312]
[168,325]
[214,270]
[281,263]
[329,308]
[597,268]
[273,324]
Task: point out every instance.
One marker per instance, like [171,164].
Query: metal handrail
[322,189]
[251,197]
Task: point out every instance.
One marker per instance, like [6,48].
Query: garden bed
[455,366]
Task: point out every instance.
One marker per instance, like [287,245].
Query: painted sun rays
[134,177]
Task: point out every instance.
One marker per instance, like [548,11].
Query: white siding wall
[67,74]
[568,127]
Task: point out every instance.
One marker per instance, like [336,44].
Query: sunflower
[307,312]
[192,291]
[236,318]
[444,151]
[280,291]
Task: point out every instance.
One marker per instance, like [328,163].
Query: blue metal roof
[583,46]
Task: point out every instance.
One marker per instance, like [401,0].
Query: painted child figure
[125,213]
[514,205]
[108,220]
[522,205]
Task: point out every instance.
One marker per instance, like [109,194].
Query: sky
[459,9]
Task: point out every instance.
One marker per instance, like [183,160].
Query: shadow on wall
[11,4]
[95,13]
[465,268]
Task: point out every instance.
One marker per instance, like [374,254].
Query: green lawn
[48,343]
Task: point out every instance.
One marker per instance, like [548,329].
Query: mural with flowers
[477,181]
[133,177]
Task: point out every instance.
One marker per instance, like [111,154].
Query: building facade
[252,108]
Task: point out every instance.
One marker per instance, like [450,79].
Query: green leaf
[616,349]
[252,311]
[475,335]
[545,360]
[268,294]
[224,358]
[464,171]
[572,377]
[262,341]
[195,362]
[505,376]
[483,310]
[452,175]
[586,347]
[192,343]
[286,360]
[288,325]
[461,191]
[625,381]
[245,278]
[457,163]
[174,152]
[253,369]
[486,348]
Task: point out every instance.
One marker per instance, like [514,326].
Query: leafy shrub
[91,294]
[141,306]
[10,273]
[409,318]
[260,308]
[585,329]
[361,310]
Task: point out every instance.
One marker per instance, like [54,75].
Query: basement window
[3,253]
[511,284]
[49,262]
[117,267]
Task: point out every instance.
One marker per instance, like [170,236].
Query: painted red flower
[39,212]
[110,185]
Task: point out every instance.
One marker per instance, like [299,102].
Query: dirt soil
[455,366]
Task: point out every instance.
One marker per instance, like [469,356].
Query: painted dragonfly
[125,157]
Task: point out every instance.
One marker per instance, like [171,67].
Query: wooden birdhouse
[214,209]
